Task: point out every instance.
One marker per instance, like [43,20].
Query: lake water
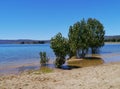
[110,53]
[20,55]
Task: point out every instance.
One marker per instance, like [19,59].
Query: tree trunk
[94,50]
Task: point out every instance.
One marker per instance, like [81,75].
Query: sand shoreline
[105,76]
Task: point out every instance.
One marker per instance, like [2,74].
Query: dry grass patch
[88,61]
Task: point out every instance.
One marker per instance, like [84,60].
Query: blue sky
[42,19]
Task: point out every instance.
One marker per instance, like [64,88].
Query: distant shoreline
[112,42]
[24,41]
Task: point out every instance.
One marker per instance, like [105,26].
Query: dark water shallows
[12,55]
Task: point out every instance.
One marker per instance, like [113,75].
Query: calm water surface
[110,53]
[22,56]
[12,55]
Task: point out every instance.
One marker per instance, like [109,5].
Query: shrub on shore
[43,58]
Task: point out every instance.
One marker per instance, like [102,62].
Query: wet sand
[16,69]
[105,76]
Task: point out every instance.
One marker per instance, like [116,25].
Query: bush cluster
[83,35]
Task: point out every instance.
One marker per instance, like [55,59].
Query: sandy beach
[105,76]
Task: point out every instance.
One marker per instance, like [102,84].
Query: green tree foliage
[97,34]
[73,39]
[22,42]
[82,36]
[78,39]
[118,40]
[43,58]
[59,45]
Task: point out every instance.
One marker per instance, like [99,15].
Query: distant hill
[115,38]
[112,37]
[24,41]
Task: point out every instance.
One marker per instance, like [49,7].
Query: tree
[97,34]
[79,39]
[59,44]
[22,42]
[118,40]
[84,38]
[41,42]
[73,36]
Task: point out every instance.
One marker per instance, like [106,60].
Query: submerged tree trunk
[82,53]
[94,50]
[73,54]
